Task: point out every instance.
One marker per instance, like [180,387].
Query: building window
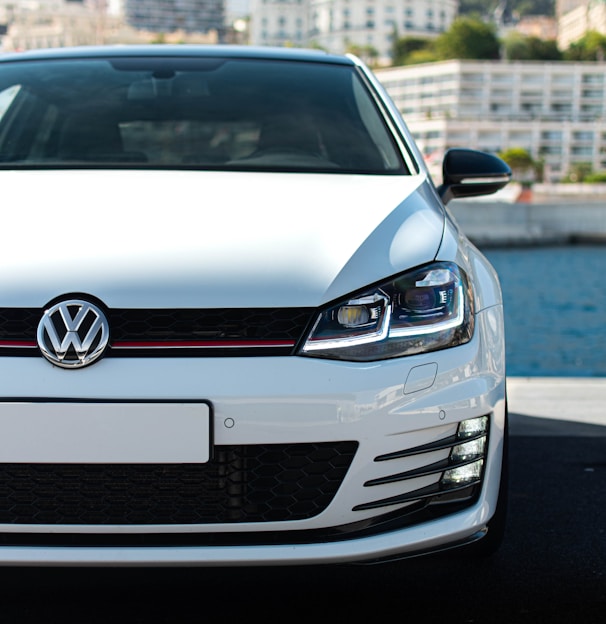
[551,135]
[591,111]
[592,79]
[561,79]
[562,109]
[582,135]
[591,93]
[546,150]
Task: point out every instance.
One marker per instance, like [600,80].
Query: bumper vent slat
[438,445]
[425,493]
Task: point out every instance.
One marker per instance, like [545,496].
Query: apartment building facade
[31,24]
[336,25]
[555,110]
[188,16]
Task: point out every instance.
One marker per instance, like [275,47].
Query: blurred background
[524,79]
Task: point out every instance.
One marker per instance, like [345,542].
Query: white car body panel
[234,250]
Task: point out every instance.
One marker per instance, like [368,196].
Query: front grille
[232,331]
[257,483]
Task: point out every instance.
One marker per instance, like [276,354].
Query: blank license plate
[56,432]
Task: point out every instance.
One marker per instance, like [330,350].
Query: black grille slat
[257,483]
[19,323]
[220,324]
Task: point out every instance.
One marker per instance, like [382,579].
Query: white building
[279,22]
[336,25]
[563,6]
[555,110]
[31,24]
[573,24]
[165,16]
[52,23]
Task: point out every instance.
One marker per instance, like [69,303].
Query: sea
[555,309]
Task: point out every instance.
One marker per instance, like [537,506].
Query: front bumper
[384,407]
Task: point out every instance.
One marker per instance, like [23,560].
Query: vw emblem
[73,333]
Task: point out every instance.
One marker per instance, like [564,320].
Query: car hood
[209,239]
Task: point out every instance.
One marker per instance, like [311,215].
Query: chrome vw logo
[73,333]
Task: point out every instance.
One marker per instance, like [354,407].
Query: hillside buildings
[30,24]
[165,16]
[339,25]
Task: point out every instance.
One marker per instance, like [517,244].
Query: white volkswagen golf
[238,324]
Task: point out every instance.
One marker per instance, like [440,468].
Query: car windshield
[187,112]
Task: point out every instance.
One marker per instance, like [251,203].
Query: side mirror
[469,173]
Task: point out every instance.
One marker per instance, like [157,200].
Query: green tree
[579,172]
[426,55]
[590,47]
[523,167]
[518,47]
[468,38]
[406,46]
[595,178]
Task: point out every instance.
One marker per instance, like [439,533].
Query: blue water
[555,309]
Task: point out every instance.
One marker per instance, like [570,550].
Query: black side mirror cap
[469,173]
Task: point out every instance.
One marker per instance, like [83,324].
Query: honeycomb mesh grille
[258,483]
[220,324]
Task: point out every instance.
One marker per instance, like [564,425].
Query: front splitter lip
[424,539]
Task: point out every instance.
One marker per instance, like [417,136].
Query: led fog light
[474,449]
[473,427]
[463,474]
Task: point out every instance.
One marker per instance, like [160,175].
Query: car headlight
[422,310]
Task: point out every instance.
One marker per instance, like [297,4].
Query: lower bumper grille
[258,483]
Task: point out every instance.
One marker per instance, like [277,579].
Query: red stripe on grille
[18,343]
[216,344]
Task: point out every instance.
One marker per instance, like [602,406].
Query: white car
[238,325]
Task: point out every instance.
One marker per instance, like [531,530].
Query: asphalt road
[551,568]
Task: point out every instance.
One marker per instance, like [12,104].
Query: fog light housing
[467,455]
